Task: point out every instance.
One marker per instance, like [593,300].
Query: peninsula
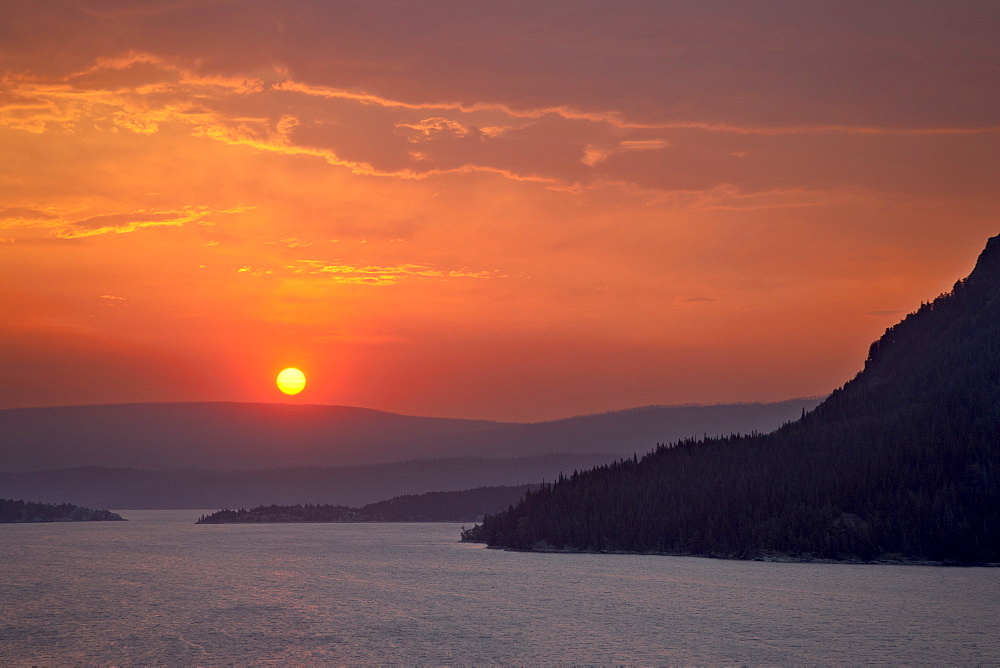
[17,512]
[469,505]
[899,464]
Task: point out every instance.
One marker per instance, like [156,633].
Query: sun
[291,380]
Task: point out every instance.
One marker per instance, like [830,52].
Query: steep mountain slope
[632,430]
[902,462]
[236,436]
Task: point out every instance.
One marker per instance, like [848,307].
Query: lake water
[160,590]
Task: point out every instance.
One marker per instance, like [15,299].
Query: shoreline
[343,522]
[767,558]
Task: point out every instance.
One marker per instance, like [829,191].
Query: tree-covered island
[17,512]
[469,505]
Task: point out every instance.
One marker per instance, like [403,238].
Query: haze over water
[159,589]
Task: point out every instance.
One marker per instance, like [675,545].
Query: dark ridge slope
[902,462]
[631,430]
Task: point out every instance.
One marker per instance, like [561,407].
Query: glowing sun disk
[291,380]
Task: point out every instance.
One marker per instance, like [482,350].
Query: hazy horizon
[278,402]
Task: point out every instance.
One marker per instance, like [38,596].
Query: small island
[18,512]
[469,505]
[274,513]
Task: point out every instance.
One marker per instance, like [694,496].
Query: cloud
[114,301]
[618,119]
[21,215]
[120,223]
[130,222]
[582,169]
[142,93]
[386,275]
[643,144]
[110,223]
[254,271]
[593,154]
[433,128]
[728,197]
[721,64]
[291,242]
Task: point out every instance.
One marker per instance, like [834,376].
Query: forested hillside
[902,462]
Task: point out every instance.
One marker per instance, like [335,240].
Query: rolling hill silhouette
[254,436]
[211,455]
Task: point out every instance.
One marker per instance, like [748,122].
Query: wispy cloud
[114,301]
[643,144]
[142,93]
[593,155]
[432,128]
[64,227]
[23,215]
[617,119]
[386,275]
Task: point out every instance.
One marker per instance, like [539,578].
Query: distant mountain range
[247,436]
[118,488]
[215,455]
[902,462]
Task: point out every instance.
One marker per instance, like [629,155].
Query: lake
[161,590]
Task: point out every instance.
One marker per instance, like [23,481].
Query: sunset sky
[505,210]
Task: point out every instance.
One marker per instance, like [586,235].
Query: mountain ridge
[246,436]
[199,489]
[901,462]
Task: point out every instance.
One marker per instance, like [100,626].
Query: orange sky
[508,210]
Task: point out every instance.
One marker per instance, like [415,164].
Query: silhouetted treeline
[12,512]
[902,462]
[464,506]
[274,513]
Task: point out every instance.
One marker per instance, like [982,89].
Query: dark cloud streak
[912,64]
